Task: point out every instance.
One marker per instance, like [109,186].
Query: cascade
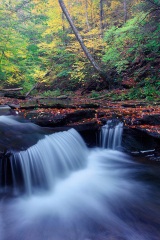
[52,158]
[111,134]
[72,192]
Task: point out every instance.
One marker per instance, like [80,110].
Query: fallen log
[14,95]
[11,89]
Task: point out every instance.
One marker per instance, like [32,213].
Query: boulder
[136,140]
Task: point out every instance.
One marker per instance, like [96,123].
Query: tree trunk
[125,10]
[78,36]
[86,14]
[101,18]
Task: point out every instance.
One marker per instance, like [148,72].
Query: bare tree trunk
[86,14]
[78,36]
[101,18]
[125,10]
[63,27]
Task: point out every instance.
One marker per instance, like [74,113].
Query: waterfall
[52,158]
[73,192]
[111,135]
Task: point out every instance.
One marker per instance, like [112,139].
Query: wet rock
[101,114]
[19,135]
[51,120]
[14,106]
[46,119]
[45,105]
[151,119]
[152,132]
[56,105]
[136,140]
[5,110]
[89,131]
[79,115]
[89,105]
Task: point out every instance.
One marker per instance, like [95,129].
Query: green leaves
[126,43]
[35,38]
[20,56]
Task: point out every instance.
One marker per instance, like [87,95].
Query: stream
[60,189]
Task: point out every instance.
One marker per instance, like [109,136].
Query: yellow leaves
[54,22]
[49,47]
[39,7]
[8,54]
[38,74]
[54,25]
[78,72]
[11,68]
[115,4]
[80,13]
[14,75]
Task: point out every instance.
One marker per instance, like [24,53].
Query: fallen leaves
[131,112]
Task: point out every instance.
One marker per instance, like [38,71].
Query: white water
[53,158]
[92,194]
[111,135]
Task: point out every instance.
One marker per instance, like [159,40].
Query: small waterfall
[52,158]
[111,135]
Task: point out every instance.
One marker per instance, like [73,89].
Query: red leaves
[131,112]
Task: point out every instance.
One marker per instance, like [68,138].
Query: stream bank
[141,119]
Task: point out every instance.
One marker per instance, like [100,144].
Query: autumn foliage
[38,45]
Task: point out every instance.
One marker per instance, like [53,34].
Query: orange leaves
[132,113]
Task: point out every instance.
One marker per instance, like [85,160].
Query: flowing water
[64,191]
[111,134]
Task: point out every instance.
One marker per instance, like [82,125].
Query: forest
[79,119]
[38,47]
